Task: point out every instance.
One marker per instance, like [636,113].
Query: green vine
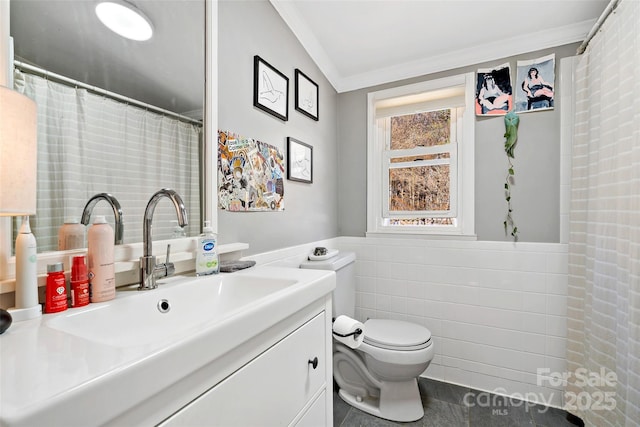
[511,121]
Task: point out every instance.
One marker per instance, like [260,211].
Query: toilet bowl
[379,376]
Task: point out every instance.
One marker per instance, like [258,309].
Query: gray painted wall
[536,195]
[335,204]
[245,29]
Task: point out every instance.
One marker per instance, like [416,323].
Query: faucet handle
[170,268]
[165,269]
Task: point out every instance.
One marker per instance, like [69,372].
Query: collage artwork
[250,174]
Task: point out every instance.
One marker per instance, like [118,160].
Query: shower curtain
[603,347]
[90,144]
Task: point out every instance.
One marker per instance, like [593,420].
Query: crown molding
[459,58]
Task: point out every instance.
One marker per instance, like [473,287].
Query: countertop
[53,377]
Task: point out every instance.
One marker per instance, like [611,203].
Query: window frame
[462,179]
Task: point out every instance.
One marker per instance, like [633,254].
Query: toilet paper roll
[345,330]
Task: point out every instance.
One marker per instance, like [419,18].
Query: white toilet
[380,376]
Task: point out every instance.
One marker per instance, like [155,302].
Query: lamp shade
[18,154]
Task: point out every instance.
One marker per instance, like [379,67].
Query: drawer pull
[314,362]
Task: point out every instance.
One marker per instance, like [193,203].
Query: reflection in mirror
[114,115]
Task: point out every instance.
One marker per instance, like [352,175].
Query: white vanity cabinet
[288,384]
[234,350]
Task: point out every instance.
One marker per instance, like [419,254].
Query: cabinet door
[316,414]
[270,390]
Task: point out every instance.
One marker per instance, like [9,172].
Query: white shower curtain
[89,144]
[603,348]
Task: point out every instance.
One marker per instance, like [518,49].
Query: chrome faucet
[117,213]
[149,270]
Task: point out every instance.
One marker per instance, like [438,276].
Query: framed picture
[270,89]
[306,95]
[299,161]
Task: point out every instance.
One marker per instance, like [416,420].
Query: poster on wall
[250,174]
[493,91]
[535,82]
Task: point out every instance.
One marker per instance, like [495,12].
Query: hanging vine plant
[511,121]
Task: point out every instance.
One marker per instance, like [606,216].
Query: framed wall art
[299,161]
[270,89]
[306,95]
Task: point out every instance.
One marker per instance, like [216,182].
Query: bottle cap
[207,227]
[25,227]
[100,219]
[71,220]
[54,268]
[79,268]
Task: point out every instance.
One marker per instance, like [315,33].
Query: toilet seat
[396,335]
[397,357]
[397,342]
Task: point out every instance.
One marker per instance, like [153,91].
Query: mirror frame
[210,200]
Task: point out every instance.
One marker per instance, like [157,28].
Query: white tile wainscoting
[496,310]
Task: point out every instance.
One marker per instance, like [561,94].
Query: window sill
[417,234]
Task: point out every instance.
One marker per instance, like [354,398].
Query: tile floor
[444,406]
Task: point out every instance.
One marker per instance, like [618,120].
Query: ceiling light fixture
[124,19]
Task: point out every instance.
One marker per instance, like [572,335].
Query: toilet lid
[396,334]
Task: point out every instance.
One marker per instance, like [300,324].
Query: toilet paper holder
[355,334]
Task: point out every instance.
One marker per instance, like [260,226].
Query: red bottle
[56,291]
[79,282]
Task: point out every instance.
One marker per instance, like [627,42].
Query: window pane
[420,157]
[422,188]
[420,130]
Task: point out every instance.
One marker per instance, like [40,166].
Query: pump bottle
[207,255]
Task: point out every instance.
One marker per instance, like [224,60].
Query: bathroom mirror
[149,136]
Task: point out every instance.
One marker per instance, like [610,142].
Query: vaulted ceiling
[360,43]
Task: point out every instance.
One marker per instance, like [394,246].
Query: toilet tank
[344,295]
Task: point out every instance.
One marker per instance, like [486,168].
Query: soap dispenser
[207,256]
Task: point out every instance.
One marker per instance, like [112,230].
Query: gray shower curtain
[603,348]
[89,144]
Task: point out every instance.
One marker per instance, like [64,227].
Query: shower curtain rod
[603,17]
[66,80]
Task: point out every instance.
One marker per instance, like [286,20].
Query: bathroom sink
[148,352]
[180,305]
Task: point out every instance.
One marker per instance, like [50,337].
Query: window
[421,158]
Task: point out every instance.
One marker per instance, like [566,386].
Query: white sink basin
[129,353]
[182,304]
